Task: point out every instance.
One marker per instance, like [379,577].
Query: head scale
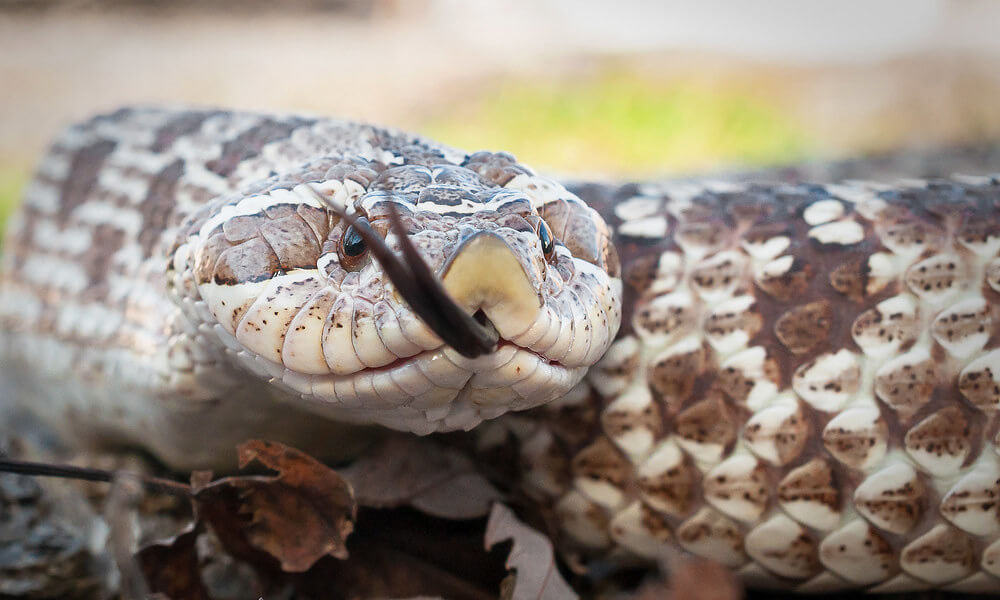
[296,292]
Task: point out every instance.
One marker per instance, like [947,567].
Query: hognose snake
[798,381]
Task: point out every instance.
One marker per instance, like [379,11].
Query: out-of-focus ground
[580,87]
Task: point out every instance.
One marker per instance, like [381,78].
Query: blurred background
[583,88]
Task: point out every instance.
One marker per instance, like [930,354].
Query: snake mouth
[471,335]
[440,390]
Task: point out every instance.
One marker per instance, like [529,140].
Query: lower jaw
[437,390]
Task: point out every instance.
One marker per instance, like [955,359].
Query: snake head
[423,296]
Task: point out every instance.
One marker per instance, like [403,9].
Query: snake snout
[486,278]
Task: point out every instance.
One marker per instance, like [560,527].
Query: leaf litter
[408,520]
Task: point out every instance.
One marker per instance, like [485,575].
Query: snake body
[804,386]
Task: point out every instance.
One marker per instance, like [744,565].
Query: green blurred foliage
[615,124]
[625,125]
[12,181]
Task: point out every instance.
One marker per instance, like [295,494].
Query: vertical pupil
[354,245]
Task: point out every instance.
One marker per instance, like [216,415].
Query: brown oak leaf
[298,516]
[171,567]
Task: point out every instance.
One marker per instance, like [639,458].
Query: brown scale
[851,278]
[788,436]
[750,487]
[852,447]
[709,524]
[498,167]
[943,544]
[639,275]
[954,326]
[672,491]
[709,421]
[908,388]
[968,500]
[737,385]
[797,558]
[667,320]
[602,461]
[242,249]
[673,377]
[876,555]
[618,422]
[812,482]
[944,433]
[716,274]
[655,523]
[722,322]
[912,237]
[974,232]
[803,327]
[980,388]
[293,241]
[895,327]
[790,285]
[895,509]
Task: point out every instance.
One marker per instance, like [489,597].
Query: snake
[797,380]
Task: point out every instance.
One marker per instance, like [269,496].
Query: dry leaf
[171,567]
[422,473]
[399,553]
[298,516]
[531,555]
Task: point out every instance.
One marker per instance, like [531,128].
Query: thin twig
[36,469]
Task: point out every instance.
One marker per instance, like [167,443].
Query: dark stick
[36,469]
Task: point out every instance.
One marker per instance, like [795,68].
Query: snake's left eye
[548,243]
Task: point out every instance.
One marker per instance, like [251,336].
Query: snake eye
[353,248]
[545,236]
[352,244]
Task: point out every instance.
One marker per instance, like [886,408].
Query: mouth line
[465,333]
[414,358]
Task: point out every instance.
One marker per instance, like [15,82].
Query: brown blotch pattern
[804,327]
[813,482]
[907,385]
[944,434]
[857,333]
[709,421]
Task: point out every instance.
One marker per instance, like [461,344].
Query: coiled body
[804,387]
